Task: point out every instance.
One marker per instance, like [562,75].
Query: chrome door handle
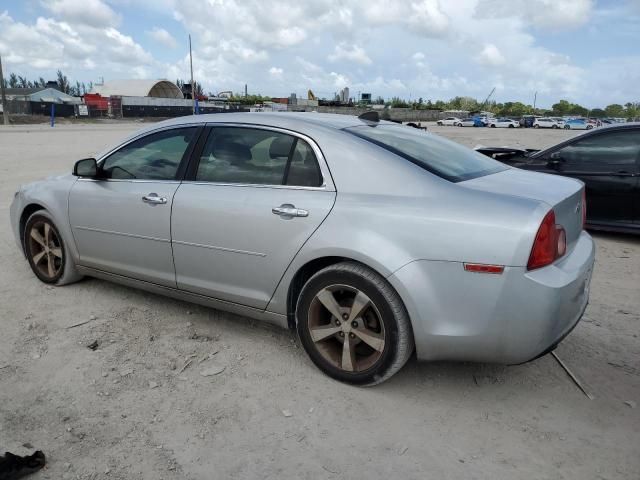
[154,199]
[290,211]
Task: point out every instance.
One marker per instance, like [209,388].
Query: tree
[63,82]
[561,108]
[597,113]
[614,110]
[13,80]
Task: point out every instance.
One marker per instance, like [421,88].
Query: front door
[607,163]
[121,222]
[255,198]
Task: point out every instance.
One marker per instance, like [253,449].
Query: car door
[253,198]
[607,162]
[121,221]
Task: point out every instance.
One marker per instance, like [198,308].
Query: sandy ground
[127,410]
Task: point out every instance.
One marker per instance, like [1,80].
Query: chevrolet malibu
[370,238]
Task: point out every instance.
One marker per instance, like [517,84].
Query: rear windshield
[438,155]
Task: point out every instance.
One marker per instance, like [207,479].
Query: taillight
[550,243]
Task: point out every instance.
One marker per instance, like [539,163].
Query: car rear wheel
[46,251]
[589,127]
[554,126]
[511,126]
[567,127]
[536,126]
[493,125]
[353,325]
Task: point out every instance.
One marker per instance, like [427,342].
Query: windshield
[438,155]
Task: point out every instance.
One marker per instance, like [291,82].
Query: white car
[503,123]
[449,121]
[467,122]
[545,122]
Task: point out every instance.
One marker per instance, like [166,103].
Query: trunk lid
[562,194]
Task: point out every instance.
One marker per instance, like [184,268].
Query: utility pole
[193,87]
[535,97]
[5,107]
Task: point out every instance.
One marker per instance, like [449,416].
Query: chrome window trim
[322,163]
[144,134]
[322,188]
[132,180]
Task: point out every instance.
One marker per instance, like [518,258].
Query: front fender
[52,195]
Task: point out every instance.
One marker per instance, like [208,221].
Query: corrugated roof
[139,88]
[51,95]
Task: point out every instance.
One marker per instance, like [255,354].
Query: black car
[606,159]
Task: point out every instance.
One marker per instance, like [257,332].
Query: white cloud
[94,13]
[428,19]
[163,37]
[48,45]
[490,55]
[419,48]
[544,14]
[351,54]
[276,72]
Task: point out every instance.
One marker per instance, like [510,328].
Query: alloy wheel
[346,328]
[45,249]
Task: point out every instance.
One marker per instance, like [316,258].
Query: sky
[585,51]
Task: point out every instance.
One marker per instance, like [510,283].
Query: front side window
[257,157]
[435,154]
[603,152]
[154,157]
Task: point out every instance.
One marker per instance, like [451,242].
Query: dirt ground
[129,409]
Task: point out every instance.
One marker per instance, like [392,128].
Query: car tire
[567,127]
[493,126]
[511,126]
[554,126]
[459,125]
[47,252]
[589,127]
[383,338]
[439,124]
[536,126]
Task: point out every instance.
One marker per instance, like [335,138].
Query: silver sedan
[370,238]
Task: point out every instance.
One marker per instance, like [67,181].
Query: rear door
[607,163]
[253,197]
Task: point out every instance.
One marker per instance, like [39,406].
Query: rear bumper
[509,318]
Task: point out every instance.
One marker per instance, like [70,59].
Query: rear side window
[435,154]
[257,156]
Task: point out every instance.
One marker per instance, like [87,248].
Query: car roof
[307,123]
[287,120]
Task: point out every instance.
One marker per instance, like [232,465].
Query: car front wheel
[567,127]
[46,251]
[353,325]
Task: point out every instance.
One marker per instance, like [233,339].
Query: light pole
[5,107]
[193,87]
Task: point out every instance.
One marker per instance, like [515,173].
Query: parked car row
[527,121]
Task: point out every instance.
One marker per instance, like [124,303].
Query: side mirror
[87,167]
[555,159]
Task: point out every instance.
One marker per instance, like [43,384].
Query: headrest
[280,146]
[233,152]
